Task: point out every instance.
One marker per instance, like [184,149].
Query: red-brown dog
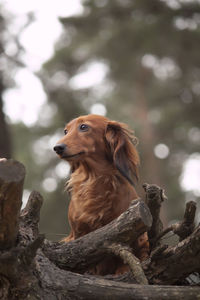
[104,163]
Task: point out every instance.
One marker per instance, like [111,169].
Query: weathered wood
[49,282]
[27,273]
[131,260]
[185,227]
[154,198]
[176,263]
[17,264]
[88,250]
[4,288]
[30,215]
[12,174]
[60,284]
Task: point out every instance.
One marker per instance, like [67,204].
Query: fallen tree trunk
[31,267]
[88,250]
[74,286]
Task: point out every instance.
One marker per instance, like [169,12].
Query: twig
[129,258]
[184,228]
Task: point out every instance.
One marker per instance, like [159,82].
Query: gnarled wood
[88,250]
[30,215]
[27,273]
[185,227]
[131,260]
[176,263]
[154,198]
[12,174]
[66,285]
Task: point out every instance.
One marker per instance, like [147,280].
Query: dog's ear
[121,143]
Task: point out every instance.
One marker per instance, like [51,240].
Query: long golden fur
[104,164]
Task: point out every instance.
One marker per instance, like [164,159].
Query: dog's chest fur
[97,200]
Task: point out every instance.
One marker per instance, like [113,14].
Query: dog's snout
[59,149]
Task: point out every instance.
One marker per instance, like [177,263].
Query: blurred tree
[10,61]
[142,62]
[5,143]
[149,52]
[5,146]
[24,143]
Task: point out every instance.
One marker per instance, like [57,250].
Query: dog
[104,168]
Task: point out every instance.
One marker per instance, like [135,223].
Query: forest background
[134,61]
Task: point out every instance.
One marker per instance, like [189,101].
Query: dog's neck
[93,170]
[98,178]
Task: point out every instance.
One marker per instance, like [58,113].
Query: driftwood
[33,267]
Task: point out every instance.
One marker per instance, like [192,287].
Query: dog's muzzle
[59,148]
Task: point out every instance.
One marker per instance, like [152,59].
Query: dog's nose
[59,149]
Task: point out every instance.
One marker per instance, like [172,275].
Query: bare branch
[175,263]
[27,272]
[154,198]
[30,215]
[92,247]
[129,258]
[184,228]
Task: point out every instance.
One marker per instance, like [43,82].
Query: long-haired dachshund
[104,164]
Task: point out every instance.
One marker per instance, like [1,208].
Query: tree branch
[175,263]
[26,271]
[129,258]
[69,285]
[154,198]
[91,248]
[30,215]
[185,227]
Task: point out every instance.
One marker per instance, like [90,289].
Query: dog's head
[96,138]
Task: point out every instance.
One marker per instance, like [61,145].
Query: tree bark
[154,199]
[92,248]
[176,263]
[12,176]
[34,268]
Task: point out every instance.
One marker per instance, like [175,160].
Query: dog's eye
[65,131]
[83,127]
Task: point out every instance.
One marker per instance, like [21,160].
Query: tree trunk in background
[149,165]
[150,170]
[5,142]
